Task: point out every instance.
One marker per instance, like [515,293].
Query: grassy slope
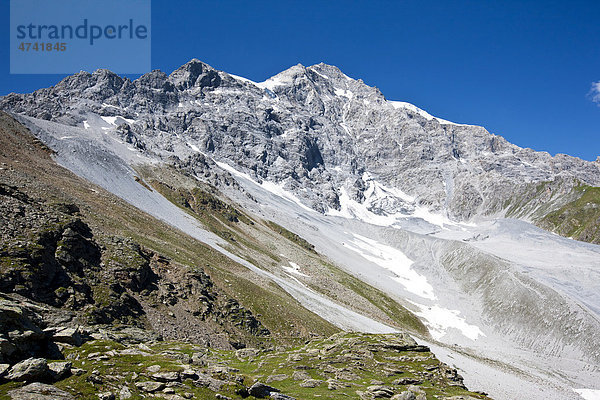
[566,207]
[579,219]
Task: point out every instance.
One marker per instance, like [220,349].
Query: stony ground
[346,365]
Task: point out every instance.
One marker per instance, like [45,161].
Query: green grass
[353,361]
[579,219]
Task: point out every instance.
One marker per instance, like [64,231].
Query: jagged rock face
[312,129]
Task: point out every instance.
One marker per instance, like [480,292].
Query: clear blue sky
[522,69]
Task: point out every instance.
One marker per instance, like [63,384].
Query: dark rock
[407,381]
[6,347]
[260,390]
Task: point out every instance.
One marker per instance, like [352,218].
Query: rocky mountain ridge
[312,130]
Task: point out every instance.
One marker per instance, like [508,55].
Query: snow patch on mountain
[380,197]
[274,188]
[439,320]
[395,261]
[117,120]
[344,93]
[422,113]
[294,269]
[588,394]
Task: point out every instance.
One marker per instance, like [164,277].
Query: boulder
[413,393]
[207,381]
[300,375]
[381,392]
[245,353]
[189,374]
[153,368]
[198,359]
[30,370]
[78,371]
[260,390]
[39,391]
[172,376]
[124,393]
[310,383]
[406,395]
[70,336]
[60,369]
[150,386]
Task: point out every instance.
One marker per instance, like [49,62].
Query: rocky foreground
[128,363]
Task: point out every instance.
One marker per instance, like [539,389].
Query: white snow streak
[439,320]
[395,261]
[588,394]
[269,186]
[417,110]
[194,147]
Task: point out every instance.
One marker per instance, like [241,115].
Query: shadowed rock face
[311,128]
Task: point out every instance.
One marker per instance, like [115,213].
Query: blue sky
[522,69]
